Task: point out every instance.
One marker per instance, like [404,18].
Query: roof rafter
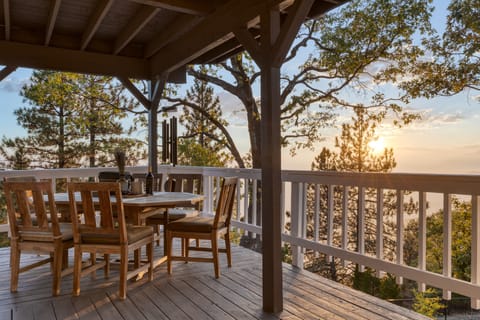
[6,18]
[170,33]
[52,17]
[40,57]
[141,18]
[195,7]
[94,22]
[6,71]
[211,32]
[289,29]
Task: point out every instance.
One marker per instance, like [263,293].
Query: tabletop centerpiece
[120,159]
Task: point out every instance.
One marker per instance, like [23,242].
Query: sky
[444,141]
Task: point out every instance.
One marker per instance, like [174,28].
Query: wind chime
[169,141]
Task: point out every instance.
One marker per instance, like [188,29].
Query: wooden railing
[317,208]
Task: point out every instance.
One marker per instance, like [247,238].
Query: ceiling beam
[6,71]
[52,17]
[214,30]
[94,22]
[195,7]
[127,83]
[6,18]
[141,18]
[289,29]
[170,33]
[41,57]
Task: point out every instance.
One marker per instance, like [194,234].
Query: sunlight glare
[377,145]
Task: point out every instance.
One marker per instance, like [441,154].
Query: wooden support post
[269,55]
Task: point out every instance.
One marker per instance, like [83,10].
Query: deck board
[191,292]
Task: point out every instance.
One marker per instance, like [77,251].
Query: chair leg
[15,267]
[106,268]
[57,269]
[168,246]
[227,248]
[215,256]
[123,272]
[77,270]
[150,261]
[93,260]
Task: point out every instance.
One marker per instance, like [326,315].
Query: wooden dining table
[138,208]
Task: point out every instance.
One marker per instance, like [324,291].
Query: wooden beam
[249,43]
[6,18]
[135,92]
[94,22]
[178,76]
[141,18]
[195,7]
[221,52]
[158,85]
[171,33]
[271,166]
[214,30]
[52,18]
[295,18]
[6,71]
[41,57]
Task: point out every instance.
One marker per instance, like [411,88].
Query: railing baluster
[345,221]
[295,223]
[379,229]
[316,217]
[475,303]
[447,241]
[361,224]
[330,215]
[422,236]
[400,229]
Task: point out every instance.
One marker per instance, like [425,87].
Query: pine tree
[353,153]
[72,120]
[202,138]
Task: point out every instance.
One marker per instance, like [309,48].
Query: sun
[377,145]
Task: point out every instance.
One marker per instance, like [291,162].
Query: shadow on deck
[191,292]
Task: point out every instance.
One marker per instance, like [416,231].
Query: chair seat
[193,224]
[173,215]
[47,236]
[134,234]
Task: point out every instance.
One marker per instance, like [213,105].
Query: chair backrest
[32,213]
[20,178]
[186,182]
[223,212]
[157,180]
[109,205]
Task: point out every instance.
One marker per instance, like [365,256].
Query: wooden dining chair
[110,235]
[190,183]
[205,228]
[34,227]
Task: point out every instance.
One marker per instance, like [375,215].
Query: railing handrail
[294,199]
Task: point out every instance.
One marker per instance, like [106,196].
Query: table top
[157,199]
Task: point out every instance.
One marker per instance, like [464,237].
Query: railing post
[295,222]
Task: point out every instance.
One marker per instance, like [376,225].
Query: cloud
[13,84]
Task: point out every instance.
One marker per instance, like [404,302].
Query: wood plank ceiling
[141,39]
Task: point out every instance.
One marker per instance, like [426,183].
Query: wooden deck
[191,292]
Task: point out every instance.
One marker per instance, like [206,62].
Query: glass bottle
[149,182]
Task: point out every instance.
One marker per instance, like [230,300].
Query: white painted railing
[319,200]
